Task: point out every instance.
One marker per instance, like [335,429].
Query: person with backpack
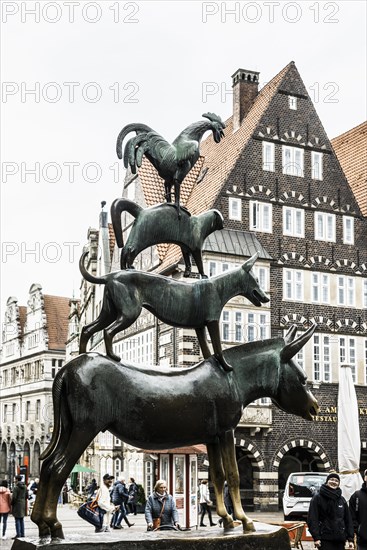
[358,510]
[329,520]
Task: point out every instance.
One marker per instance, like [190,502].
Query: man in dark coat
[358,510]
[18,503]
[329,519]
[119,497]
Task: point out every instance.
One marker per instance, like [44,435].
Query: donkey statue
[167,408]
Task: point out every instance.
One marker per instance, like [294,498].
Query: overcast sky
[97,66]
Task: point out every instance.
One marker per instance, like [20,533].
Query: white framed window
[346,290]
[292,161]
[235,209]
[320,288]
[241,326]
[316,165]
[261,216]
[324,226]
[293,284]
[293,221]
[212,269]
[262,273]
[292,102]
[348,230]
[137,348]
[365,293]
[268,156]
[347,353]
[321,358]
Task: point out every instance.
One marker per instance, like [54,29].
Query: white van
[299,489]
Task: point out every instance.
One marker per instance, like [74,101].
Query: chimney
[245,89]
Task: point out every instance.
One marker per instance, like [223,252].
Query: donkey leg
[213,328]
[233,479]
[62,464]
[201,336]
[217,476]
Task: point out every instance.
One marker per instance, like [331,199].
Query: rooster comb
[214,118]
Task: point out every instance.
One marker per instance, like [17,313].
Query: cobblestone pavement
[73,525]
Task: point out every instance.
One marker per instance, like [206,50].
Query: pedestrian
[34,486]
[133,496]
[104,502]
[358,510]
[329,520]
[119,497]
[5,505]
[227,503]
[65,493]
[160,508]
[205,503]
[18,504]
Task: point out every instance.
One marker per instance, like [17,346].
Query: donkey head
[293,396]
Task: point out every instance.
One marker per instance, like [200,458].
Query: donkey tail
[117,207]
[56,400]
[87,276]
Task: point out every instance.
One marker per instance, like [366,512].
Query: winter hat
[333,474]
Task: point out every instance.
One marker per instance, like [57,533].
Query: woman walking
[329,519]
[5,505]
[160,509]
[205,503]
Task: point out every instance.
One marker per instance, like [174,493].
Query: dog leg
[116,327]
[199,263]
[213,328]
[88,330]
[200,333]
[187,260]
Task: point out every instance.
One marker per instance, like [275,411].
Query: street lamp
[11,468]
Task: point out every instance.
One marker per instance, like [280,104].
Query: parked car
[299,489]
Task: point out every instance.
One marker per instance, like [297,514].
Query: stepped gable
[351,150]
[57,314]
[220,158]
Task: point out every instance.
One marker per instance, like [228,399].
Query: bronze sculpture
[157,225]
[172,161]
[197,305]
[166,408]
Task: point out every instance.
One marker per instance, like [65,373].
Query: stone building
[33,350]
[277,181]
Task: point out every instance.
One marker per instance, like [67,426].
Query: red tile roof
[188,450]
[57,315]
[111,239]
[22,318]
[351,150]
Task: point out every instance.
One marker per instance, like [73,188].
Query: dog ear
[250,262]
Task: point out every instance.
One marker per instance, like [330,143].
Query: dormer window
[292,102]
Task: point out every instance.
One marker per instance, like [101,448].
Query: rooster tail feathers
[134,127]
[117,207]
[132,151]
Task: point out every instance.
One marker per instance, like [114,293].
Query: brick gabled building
[33,350]
[281,189]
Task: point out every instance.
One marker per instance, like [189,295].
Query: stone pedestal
[266,537]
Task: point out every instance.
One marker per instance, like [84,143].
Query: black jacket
[119,494]
[329,516]
[358,510]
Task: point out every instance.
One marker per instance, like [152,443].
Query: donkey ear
[250,262]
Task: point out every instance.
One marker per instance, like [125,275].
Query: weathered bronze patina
[158,224]
[177,303]
[172,161]
[166,408]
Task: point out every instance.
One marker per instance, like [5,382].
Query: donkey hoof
[57,532]
[249,527]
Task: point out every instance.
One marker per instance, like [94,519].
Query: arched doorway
[3,460]
[297,459]
[246,472]
[36,459]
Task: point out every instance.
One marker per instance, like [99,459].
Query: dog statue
[197,305]
[159,224]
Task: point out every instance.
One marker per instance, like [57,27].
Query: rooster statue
[172,161]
